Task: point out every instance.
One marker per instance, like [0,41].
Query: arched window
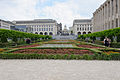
[41,33]
[46,33]
[84,32]
[89,32]
[50,33]
[79,33]
[36,33]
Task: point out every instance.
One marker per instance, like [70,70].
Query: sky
[63,11]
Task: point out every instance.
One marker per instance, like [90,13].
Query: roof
[36,21]
[82,20]
[7,22]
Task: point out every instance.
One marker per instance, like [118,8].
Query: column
[119,12]
[114,4]
[104,17]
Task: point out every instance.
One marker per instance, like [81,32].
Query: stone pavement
[59,70]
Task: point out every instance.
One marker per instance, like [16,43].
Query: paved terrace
[59,70]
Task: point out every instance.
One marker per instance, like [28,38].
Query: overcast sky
[64,11]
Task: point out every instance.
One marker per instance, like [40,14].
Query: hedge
[106,33]
[115,56]
[14,35]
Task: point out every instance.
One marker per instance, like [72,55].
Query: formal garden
[20,45]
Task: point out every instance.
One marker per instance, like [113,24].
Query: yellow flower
[1,50]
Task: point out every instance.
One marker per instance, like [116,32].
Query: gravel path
[59,70]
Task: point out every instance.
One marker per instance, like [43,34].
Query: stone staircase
[70,37]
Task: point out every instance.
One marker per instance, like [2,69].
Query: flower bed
[1,50]
[54,51]
[109,52]
[88,46]
[28,46]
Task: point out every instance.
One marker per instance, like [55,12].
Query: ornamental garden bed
[1,50]
[110,51]
[89,46]
[53,51]
[28,46]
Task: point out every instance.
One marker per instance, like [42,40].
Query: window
[39,29]
[91,28]
[51,29]
[85,28]
[44,29]
[77,29]
[116,22]
[80,28]
[88,28]
[116,6]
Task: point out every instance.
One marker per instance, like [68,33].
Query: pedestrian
[28,41]
[106,42]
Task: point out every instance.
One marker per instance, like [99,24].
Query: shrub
[14,35]
[115,45]
[115,56]
[106,33]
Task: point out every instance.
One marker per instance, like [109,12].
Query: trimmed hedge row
[106,33]
[61,57]
[14,35]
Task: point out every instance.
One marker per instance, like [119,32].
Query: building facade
[82,26]
[59,29]
[38,26]
[5,24]
[107,16]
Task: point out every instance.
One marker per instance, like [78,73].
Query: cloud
[69,10]
[18,9]
[64,11]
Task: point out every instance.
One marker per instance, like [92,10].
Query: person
[28,41]
[107,42]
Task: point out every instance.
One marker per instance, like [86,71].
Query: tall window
[116,6]
[112,7]
[80,28]
[44,29]
[39,29]
[51,29]
[91,28]
[108,9]
[88,28]
[112,24]
[116,22]
[77,28]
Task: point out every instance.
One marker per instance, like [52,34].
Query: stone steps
[57,37]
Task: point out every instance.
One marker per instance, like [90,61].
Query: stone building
[65,31]
[5,24]
[38,26]
[107,16]
[59,29]
[82,26]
